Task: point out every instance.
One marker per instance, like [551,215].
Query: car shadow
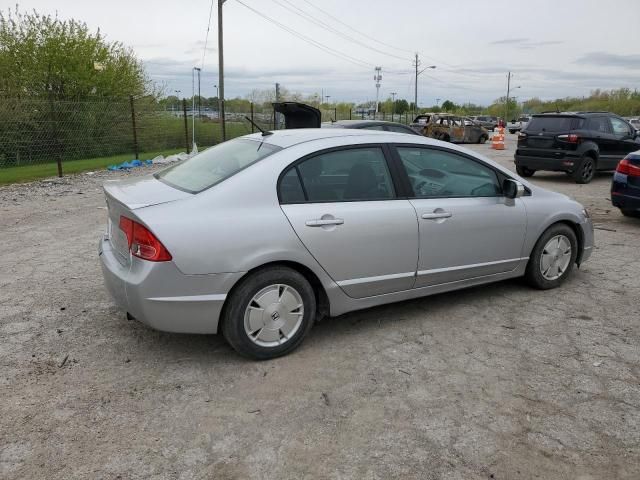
[549,177]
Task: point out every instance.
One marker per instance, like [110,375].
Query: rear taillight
[627,168]
[142,243]
[522,135]
[569,138]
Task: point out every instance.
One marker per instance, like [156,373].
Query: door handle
[436,215]
[321,222]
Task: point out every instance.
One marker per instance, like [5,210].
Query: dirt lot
[499,381]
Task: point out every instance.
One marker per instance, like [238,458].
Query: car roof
[287,138]
[358,123]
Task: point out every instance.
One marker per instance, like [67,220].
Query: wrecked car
[450,128]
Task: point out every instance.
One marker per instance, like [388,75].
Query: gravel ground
[498,381]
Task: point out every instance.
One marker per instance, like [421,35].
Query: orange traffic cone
[497,140]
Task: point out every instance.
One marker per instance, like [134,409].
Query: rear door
[467,228]
[625,140]
[600,132]
[343,205]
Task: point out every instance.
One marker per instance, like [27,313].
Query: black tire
[512,131]
[585,171]
[233,322]
[445,138]
[524,171]
[533,274]
[483,139]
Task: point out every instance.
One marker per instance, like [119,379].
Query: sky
[554,48]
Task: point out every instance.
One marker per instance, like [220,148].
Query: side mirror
[512,188]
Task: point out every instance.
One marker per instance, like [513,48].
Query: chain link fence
[45,130]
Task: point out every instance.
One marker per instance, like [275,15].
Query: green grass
[170,128]
[33,172]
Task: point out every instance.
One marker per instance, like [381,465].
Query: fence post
[274,119]
[186,124]
[133,125]
[252,127]
[54,125]
[335,113]
[349,114]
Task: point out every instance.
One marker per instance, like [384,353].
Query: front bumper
[588,241]
[160,296]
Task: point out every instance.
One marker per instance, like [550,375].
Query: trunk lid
[298,115]
[542,131]
[124,197]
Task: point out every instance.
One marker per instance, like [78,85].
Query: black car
[578,143]
[625,188]
[301,115]
[371,125]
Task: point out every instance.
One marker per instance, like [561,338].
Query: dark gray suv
[578,143]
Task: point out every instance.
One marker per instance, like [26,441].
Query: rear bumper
[623,195]
[559,162]
[162,297]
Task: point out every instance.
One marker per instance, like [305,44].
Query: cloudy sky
[554,48]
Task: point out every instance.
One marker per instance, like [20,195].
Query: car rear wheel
[552,258]
[524,171]
[269,313]
[512,131]
[483,139]
[585,171]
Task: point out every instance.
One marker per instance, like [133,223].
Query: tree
[449,106]
[41,55]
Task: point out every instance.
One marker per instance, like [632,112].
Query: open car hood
[298,115]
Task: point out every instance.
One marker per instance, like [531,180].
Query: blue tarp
[130,164]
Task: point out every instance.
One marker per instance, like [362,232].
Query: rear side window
[397,129]
[215,164]
[357,174]
[620,127]
[554,124]
[598,124]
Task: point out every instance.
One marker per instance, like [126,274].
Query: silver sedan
[261,236]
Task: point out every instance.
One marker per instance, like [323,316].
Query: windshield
[215,164]
[554,124]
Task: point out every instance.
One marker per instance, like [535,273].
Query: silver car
[261,236]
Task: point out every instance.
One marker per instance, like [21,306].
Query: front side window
[215,164]
[438,173]
[620,127]
[355,174]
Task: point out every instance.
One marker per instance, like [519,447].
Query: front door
[625,139]
[467,228]
[343,207]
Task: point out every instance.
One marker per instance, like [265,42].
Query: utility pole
[221,72]
[193,105]
[416,64]
[393,104]
[275,115]
[377,77]
[506,106]
[199,97]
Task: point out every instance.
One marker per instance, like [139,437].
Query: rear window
[554,124]
[215,164]
[523,119]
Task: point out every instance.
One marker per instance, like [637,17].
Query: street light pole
[221,72]
[193,105]
[416,65]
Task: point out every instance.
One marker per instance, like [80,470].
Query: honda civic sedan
[261,236]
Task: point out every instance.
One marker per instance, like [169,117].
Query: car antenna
[264,132]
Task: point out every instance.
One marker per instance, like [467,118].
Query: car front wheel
[552,258]
[269,313]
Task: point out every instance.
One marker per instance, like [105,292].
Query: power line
[206,38]
[355,30]
[315,43]
[301,13]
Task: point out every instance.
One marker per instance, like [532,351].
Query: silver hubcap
[555,258]
[274,315]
